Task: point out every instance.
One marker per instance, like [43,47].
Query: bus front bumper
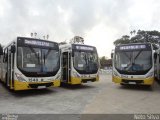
[147,81]
[76,80]
[18,85]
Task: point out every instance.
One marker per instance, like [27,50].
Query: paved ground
[66,99]
[115,99]
[101,97]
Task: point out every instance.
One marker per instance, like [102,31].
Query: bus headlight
[151,74]
[19,77]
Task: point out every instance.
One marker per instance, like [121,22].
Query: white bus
[80,64]
[157,64]
[133,64]
[29,63]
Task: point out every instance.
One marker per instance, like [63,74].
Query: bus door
[8,70]
[158,66]
[66,67]
[10,65]
[1,64]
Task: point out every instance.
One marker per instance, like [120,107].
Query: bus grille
[40,84]
[136,81]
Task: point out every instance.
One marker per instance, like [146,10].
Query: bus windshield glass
[86,62]
[133,61]
[38,61]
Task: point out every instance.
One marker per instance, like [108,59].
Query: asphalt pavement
[103,97]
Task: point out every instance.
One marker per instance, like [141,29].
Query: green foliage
[77,39]
[140,36]
[105,62]
[124,40]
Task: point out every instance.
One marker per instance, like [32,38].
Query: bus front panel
[85,64]
[133,64]
[37,64]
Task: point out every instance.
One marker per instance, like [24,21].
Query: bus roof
[15,40]
[133,44]
[69,46]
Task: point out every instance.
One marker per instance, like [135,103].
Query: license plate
[41,87]
[133,83]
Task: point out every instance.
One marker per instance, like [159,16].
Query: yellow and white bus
[157,64]
[30,63]
[80,64]
[133,64]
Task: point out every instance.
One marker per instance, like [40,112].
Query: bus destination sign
[25,42]
[39,43]
[132,47]
[84,48]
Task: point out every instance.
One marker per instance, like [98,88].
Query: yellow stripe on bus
[147,81]
[25,85]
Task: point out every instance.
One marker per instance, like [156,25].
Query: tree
[140,37]
[124,40]
[103,61]
[77,39]
[62,43]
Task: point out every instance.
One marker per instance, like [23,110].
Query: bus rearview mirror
[13,49]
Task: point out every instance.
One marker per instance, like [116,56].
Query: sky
[99,22]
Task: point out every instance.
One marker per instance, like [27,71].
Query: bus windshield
[36,61]
[133,62]
[86,62]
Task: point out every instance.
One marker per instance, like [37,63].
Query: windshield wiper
[133,62]
[137,55]
[36,55]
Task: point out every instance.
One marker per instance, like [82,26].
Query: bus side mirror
[1,50]
[111,55]
[13,49]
